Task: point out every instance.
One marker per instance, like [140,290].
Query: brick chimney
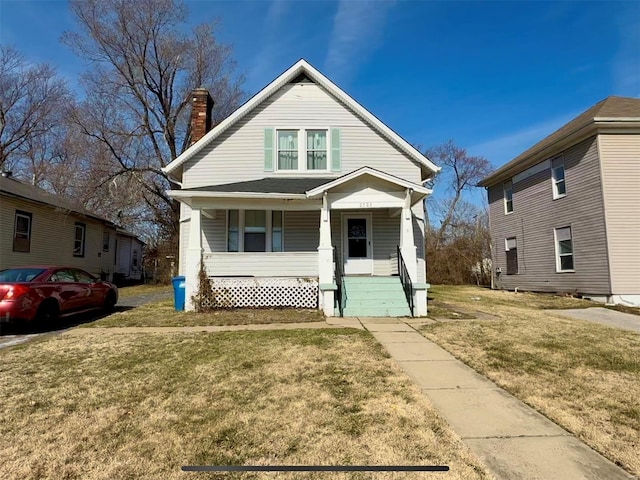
[200,114]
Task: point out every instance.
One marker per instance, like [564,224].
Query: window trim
[558,254]
[28,216]
[108,238]
[83,226]
[268,230]
[507,249]
[504,197]
[302,150]
[555,182]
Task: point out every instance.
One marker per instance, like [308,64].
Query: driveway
[605,316]
[16,336]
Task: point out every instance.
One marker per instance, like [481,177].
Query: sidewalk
[513,440]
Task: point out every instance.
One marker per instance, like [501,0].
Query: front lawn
[582,375]
[162,314]
[100,406]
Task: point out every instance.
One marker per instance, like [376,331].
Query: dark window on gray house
[78,239]
[511,248]
[557,176]
[564,249]
[508,196]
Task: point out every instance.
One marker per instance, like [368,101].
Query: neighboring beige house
[39,228]
[565,214]
[303,198]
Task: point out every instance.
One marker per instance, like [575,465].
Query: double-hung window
[508,196]
[511,248]
[316,149]
[305,150]
[78,239]
[557,176]
[288,150]
[255,231]
[564,249]
[22,232]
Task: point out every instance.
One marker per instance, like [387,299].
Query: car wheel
[47,314]
[109,302]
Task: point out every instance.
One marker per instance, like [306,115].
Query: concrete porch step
[377,311]
[375,297]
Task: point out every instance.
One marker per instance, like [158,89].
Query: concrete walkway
[605,316]
[513,440]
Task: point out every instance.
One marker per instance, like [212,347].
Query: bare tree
[32,101]
[461,172]
[143,69]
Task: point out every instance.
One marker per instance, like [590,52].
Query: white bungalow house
[303,198]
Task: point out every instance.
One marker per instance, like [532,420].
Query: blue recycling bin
[178,292]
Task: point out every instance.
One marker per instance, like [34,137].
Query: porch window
[276,231]
[287,150]
[255,231]
[316,149]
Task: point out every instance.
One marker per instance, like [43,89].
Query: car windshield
[19,274]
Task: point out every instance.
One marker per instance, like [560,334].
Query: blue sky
[495,77]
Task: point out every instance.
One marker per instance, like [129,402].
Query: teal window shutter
[336,150]
[268,150]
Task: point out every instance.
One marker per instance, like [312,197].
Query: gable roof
[608,112]
[302,68]
[16,188]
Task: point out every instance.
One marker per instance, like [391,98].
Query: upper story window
[311,145]
[564,249]
[508,196]
[78,239]
[316,149]
[22,232]
[288,150]
[557,177]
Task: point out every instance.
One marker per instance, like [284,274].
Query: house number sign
[366,204]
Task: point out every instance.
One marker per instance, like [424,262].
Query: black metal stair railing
[405,279]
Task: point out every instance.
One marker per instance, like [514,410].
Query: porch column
[194,257]
[325,260]
[407,241]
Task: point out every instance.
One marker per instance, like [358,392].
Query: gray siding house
[565,214]
[303,198]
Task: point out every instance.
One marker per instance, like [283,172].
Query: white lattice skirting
[229,292]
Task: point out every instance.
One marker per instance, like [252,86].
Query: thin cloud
[626,64]
[504,148]
[357,32]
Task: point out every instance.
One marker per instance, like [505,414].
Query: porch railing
[405,279]
[341,295]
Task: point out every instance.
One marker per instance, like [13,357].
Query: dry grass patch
[135,290]
[140,406]
[163,314]
[583,375]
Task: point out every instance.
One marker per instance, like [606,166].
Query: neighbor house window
[78,239]
[508,196]
[255,231]
[316,149]
[106,240]
[557,175]
[287,150]
[564,249]
[22,232]
[511,248]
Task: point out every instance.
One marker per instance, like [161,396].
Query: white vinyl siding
[239,154]
[620,159]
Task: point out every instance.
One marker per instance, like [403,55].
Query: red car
[45,293]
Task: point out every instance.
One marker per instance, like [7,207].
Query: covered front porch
[296,249]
